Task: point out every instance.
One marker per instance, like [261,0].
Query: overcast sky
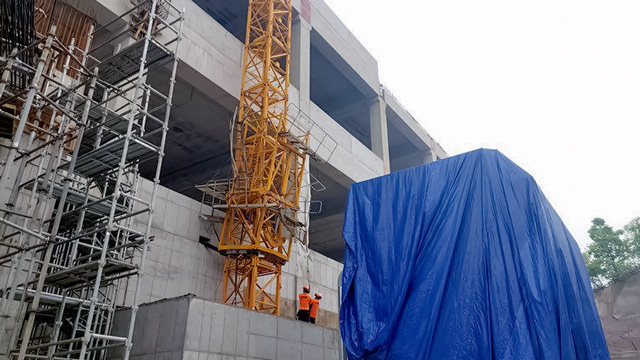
[554,85]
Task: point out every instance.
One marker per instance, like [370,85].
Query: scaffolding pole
[68,228]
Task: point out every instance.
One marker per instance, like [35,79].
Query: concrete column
[300,70]
[379,132]
[300,77]
[429,156]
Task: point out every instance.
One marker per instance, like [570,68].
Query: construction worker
[315,305]
[305,301]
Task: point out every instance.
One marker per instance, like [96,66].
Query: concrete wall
[327,24]
[211,61]
[621,299]
[342,150]
[195,329]
[411,128]
[619,309]
[159,332]
[326,230]
[178,264]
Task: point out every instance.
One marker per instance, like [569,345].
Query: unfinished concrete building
[109,242]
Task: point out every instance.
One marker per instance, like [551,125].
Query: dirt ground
[621,334]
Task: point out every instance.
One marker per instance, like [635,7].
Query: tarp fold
[463,258]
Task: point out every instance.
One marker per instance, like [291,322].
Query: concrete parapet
[190,328]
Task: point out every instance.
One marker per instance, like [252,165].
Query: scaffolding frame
[73,225]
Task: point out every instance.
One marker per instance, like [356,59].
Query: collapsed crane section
[262,200]
[259,221]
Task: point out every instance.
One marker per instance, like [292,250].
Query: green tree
[609,252]
[594,267]
[632,236]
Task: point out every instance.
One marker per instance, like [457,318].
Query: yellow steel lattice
[269,163]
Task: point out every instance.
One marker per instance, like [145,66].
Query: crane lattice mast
[268,162]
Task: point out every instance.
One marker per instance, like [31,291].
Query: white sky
[553,84]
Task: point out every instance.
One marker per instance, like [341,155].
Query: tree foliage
[612,253]
[594,267]
[632,235]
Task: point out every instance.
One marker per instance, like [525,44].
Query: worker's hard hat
[319,296]
[306,288]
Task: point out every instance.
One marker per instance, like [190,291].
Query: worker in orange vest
[305,301]
[315,305]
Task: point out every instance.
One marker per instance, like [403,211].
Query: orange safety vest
[304,301]
[315,304]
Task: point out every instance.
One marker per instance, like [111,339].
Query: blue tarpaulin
[463,258]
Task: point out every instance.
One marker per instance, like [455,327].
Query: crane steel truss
[72,223]
[269,162]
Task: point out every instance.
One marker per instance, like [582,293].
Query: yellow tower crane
[268,161]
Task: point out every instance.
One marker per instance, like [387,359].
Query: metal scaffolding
[72,223]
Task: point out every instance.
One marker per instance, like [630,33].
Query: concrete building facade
[359,129]
[335,91]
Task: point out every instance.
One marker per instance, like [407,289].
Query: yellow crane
[268,161]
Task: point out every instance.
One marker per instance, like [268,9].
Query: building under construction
[174,171]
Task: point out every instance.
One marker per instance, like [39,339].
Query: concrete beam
[350,157]
[211,61]
[211,53]
[411,160]
[300,70]
[210,50]
[410,127]
[342,42]
[327,229]
[102,10]
[365,86]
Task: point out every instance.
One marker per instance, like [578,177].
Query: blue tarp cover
[463,258]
